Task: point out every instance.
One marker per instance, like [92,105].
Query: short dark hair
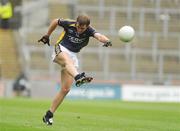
[83,19]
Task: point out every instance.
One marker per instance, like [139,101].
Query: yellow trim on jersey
[72,25]
[71,20]
[61,36]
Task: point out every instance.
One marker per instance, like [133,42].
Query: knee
[65,90]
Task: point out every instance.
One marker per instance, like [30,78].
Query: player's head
[83,21]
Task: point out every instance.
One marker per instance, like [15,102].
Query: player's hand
[107,44]
[45,40]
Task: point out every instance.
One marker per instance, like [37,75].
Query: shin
[66,83]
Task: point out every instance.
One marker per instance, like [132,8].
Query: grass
[83,115]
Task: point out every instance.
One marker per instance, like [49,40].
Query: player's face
[81,28]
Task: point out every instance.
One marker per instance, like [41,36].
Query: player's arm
[103,39]
[52,27]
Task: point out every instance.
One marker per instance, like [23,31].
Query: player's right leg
[82,79]
[66,62]
[63,59]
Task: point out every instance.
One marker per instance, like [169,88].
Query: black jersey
[70,39]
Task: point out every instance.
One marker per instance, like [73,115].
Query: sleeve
[63,23]
[92,31]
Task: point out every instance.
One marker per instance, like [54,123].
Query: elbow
[55,22]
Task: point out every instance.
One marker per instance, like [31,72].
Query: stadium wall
[111,91]
[151,93]
[96,91]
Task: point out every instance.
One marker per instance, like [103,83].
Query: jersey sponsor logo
[76,40]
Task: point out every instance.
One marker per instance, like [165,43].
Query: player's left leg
[66,83]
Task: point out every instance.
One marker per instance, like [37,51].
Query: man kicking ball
[75,36]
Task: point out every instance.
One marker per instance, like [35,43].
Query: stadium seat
[145,64]
[152,24]
[58,10]
[174,25]
[168,43]
[119,63]
[87,2]
[100,23]
[115,3]
[122,19]
[39,61]
[143,42]
[170,4]
[90,62]
[171,65]
[144,3]
[10,64]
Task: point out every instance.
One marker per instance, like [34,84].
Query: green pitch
[74,115]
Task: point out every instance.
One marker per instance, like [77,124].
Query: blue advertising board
[95,91]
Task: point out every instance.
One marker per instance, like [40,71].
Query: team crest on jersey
[77,34]
[70,31]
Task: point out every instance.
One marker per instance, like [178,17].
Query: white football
[126,33]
